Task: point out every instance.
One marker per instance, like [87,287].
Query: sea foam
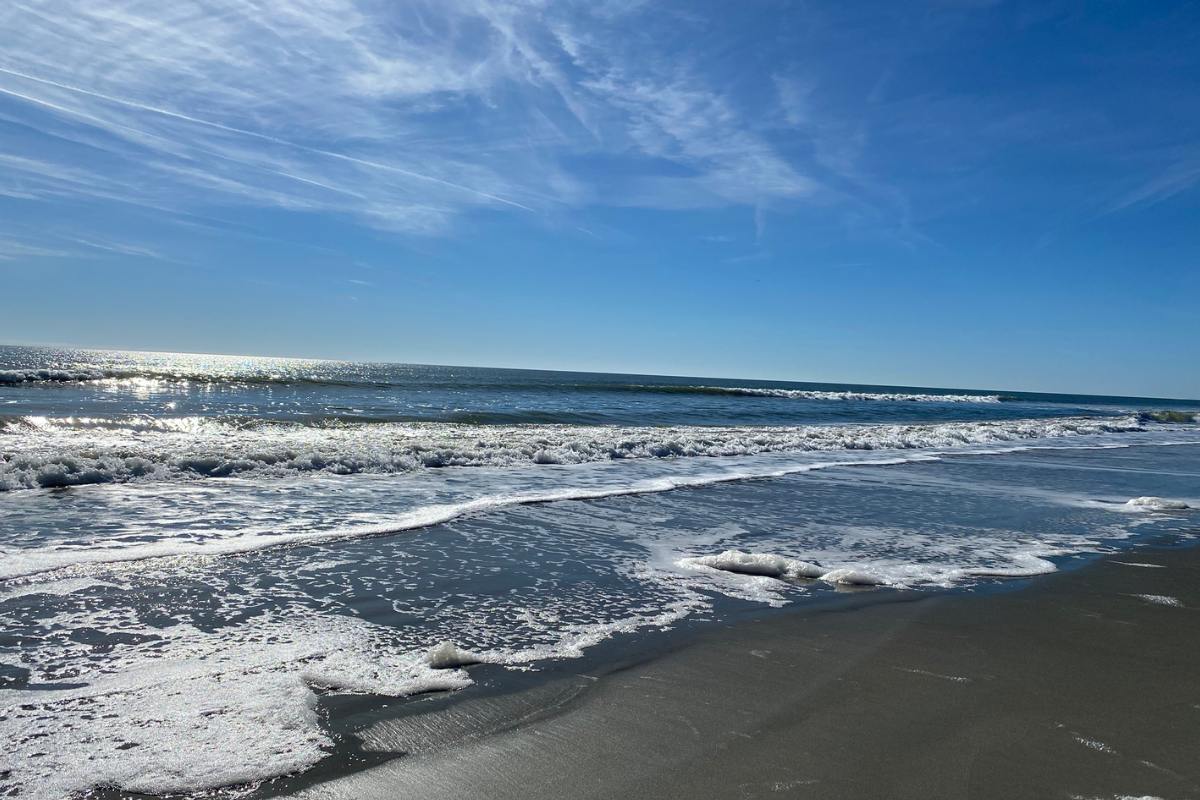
[1156,504]
[229,707]
[183,710]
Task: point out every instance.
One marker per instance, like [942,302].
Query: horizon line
[851,384]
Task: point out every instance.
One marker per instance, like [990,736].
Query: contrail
[243,132]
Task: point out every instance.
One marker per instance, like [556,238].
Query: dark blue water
[50,382]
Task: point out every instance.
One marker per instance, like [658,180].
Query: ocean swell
[120,376]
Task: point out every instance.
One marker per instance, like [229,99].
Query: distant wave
[15,376]
[808,394]
[38,452]
[1169,416]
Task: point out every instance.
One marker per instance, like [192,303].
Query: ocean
[200,554]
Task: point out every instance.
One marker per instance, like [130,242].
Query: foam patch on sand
[779,570]
[1095,744]
[1021,565]
[771,566]
[448,655]
[1161,600]
[848,576]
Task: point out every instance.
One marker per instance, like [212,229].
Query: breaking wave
[42,452]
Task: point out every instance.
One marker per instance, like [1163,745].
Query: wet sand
[1070,685]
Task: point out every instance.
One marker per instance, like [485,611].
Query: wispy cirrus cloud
[51,243]
[1177,178]
[12,249]
[401,116]
[406,117]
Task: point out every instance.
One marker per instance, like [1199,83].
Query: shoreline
[1073,684]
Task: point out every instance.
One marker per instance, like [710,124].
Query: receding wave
[44,452]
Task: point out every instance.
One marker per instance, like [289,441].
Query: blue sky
[983,194]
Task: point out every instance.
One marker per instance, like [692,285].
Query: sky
[953,193]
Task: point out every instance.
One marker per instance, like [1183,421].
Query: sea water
[194,549]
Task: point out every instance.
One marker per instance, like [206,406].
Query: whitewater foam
[31,561]
[41,452]
[181,709]
[524,487]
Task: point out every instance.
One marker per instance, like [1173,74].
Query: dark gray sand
[1072,686]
